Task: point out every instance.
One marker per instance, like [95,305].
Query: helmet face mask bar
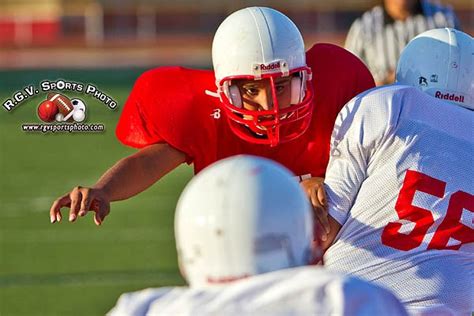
[262,45]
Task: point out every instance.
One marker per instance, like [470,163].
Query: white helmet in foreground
[441,63]
[240,217]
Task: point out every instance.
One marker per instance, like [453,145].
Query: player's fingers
[323,218]
[315,199]
[97,219]
[59,216]
[87,197]
[55,210]
[322,196]
[320,212]
[102,210]
[319,232]
[314,188]
[318,195]
[76,197]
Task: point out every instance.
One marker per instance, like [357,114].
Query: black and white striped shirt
[378,40]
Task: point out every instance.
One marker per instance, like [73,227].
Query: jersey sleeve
[136,127]
[162,109]
[361,127]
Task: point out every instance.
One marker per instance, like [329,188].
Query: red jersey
[169,105]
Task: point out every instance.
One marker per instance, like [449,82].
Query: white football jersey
[400,181]
[306,290]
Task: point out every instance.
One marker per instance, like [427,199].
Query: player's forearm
[133,174]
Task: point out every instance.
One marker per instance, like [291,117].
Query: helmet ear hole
[234,96]
[297,91]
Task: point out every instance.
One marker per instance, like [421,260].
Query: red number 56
[422,219]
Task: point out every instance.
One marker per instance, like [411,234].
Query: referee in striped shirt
[381,33]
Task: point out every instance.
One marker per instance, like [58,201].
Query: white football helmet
[240,217]
[259,43]
[440,62]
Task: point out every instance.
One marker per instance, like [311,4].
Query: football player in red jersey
[272,100]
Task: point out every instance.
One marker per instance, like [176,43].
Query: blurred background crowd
[147,33]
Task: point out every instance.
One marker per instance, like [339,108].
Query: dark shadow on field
[160,277]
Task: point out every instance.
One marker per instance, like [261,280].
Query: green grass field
[76,269]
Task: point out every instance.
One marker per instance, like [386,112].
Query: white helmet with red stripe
[440,62]
[240,217]
[261,43]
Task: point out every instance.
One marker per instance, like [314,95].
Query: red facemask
[274,126]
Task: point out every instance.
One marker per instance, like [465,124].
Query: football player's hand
[314,188]
[81,200]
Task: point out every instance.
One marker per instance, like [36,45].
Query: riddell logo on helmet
[449,96]
[271,66]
